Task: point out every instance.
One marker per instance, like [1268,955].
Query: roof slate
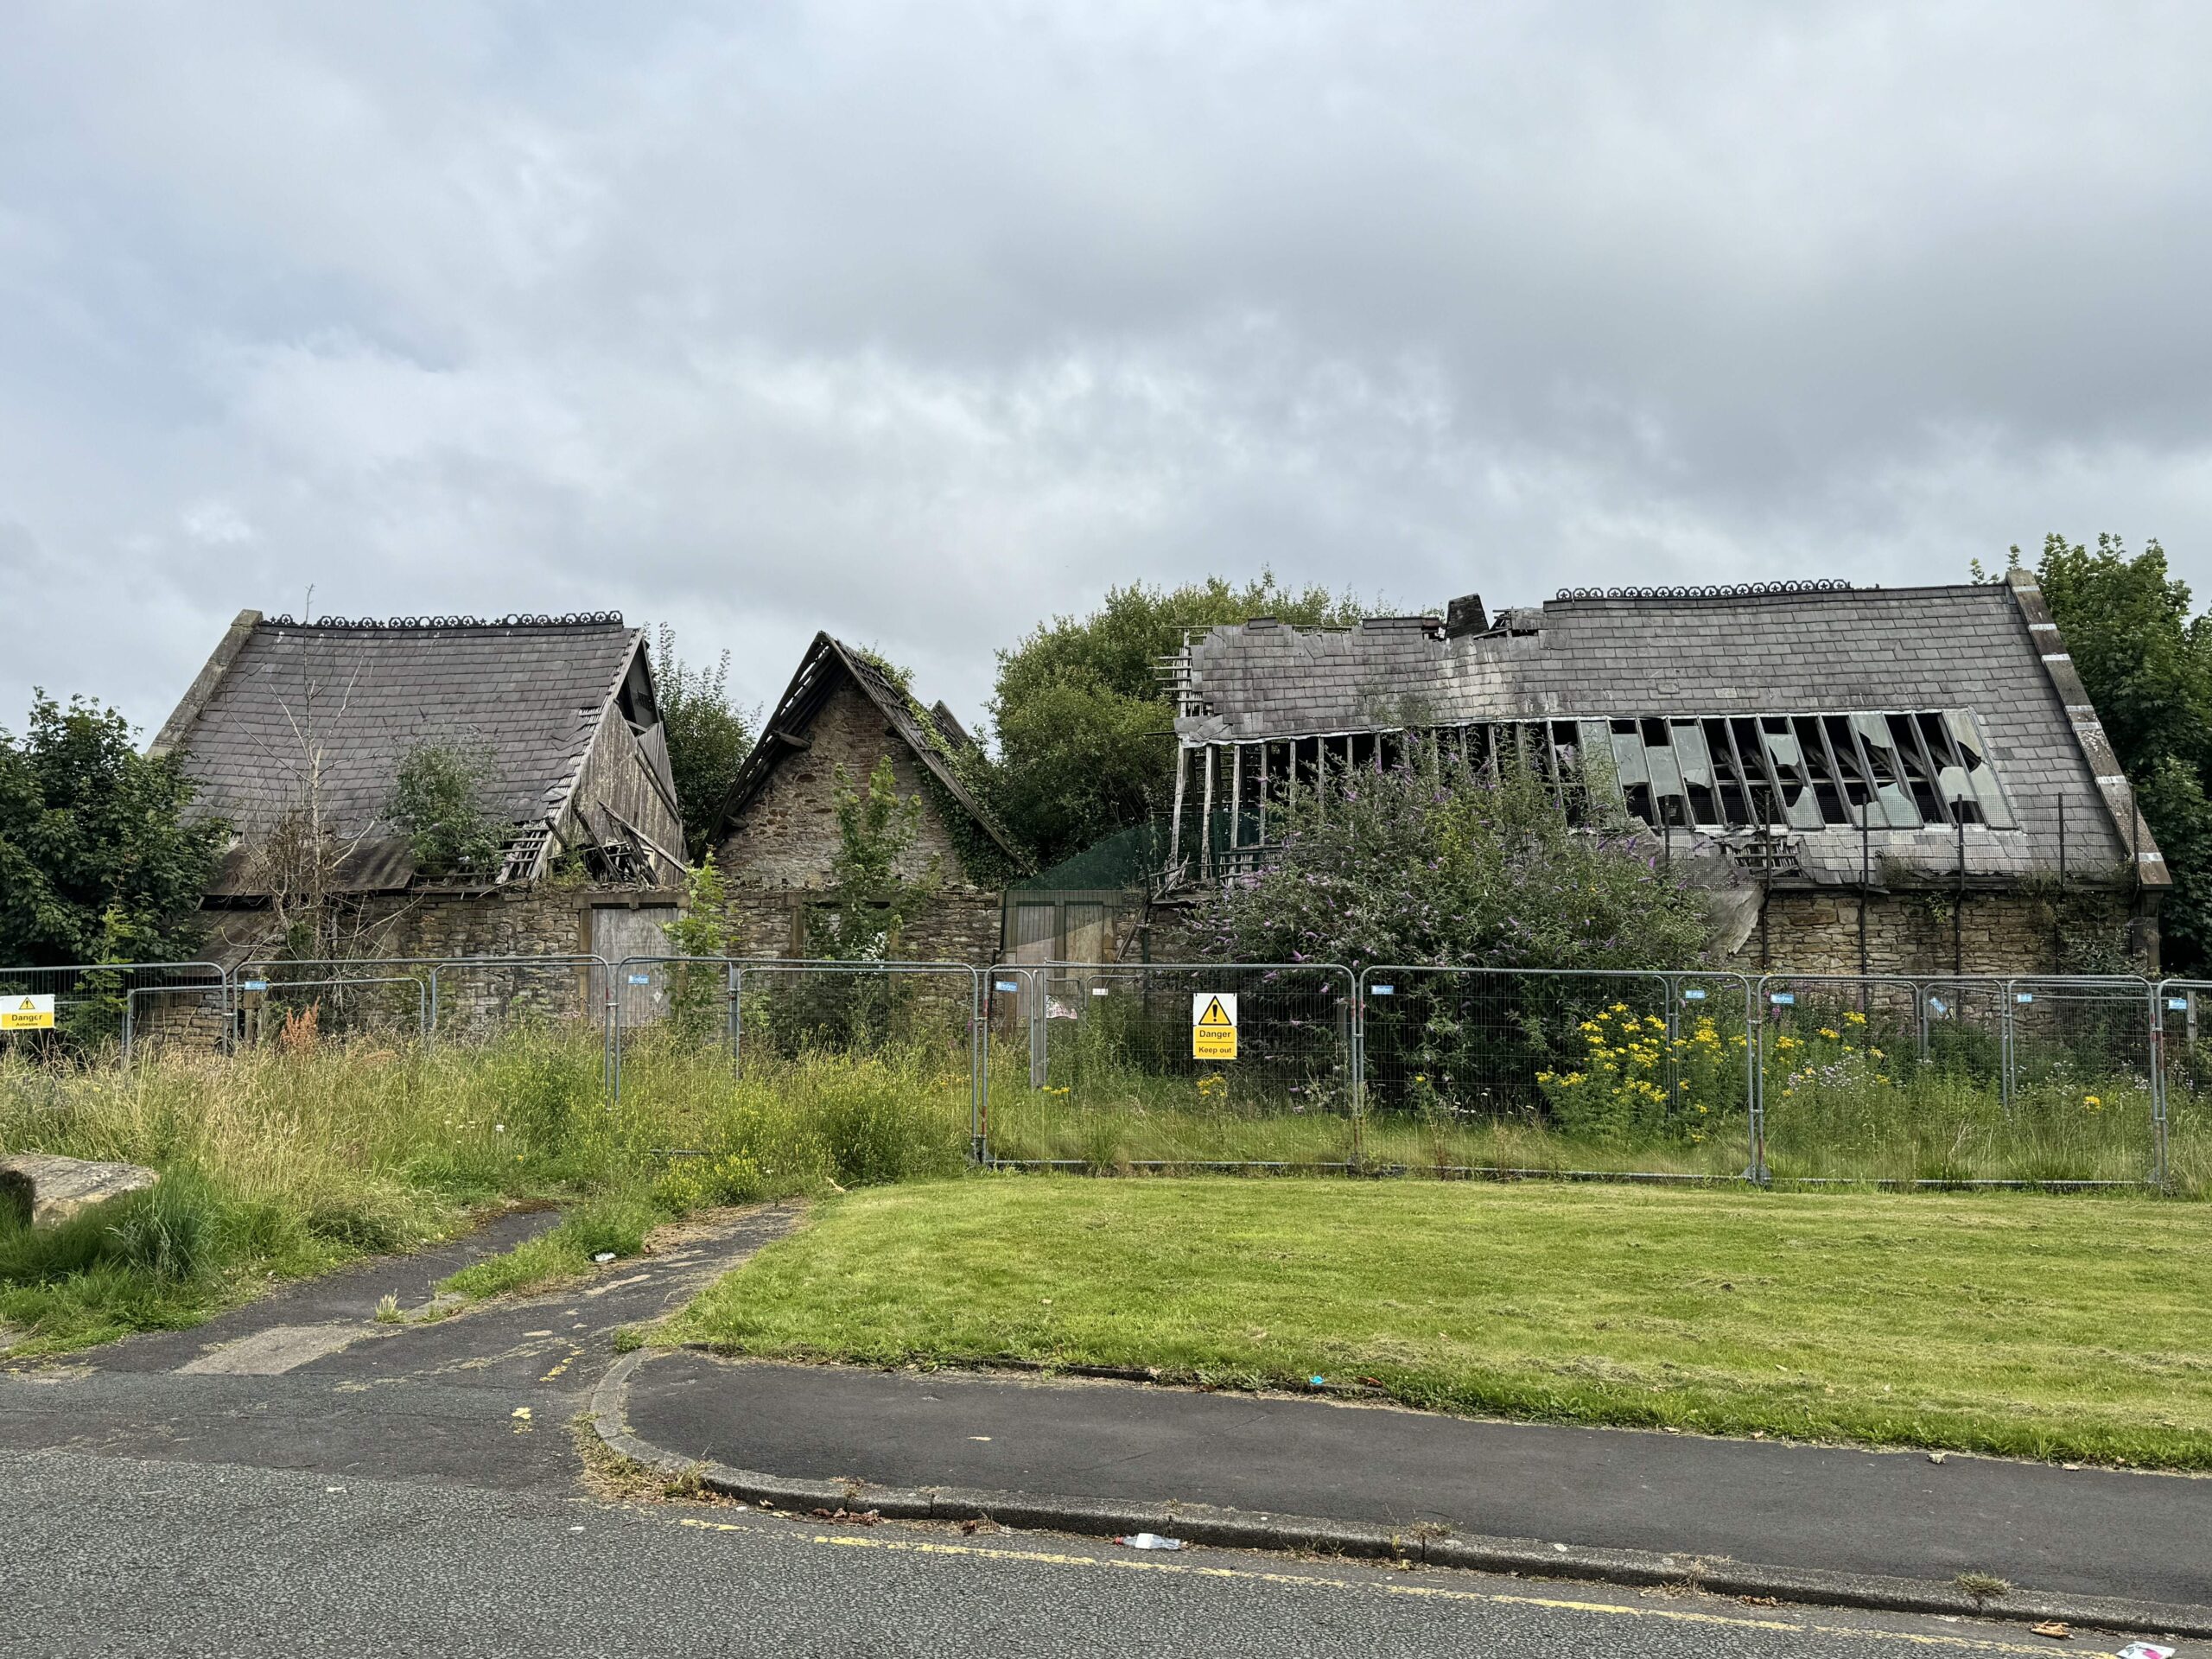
[358,698]
[1874,650]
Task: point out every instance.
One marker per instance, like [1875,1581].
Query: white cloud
[921,323]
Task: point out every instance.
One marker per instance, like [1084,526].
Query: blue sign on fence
[1694,995]
[2180,1003]
[1006,985]
[1381,990]
[254,985]
[641,979]
[1781,999]
[2024,997]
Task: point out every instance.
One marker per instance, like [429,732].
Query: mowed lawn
[2034,1326]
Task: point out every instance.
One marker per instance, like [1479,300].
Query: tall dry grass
[295,1158]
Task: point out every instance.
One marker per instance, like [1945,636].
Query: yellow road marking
[1432,1592]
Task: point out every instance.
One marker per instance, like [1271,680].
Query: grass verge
[282,1163]
[2018,1324]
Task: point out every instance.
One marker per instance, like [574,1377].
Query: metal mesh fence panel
[1838,1055]
[2082,1090]
[2182,1147]
[299,1004]
[93,1006]
[868,1069]
[472,1000]
[1475,1070]
[476,1000]
[300,1012]
[1965,1031]
[1954,1082]
[1172,1066]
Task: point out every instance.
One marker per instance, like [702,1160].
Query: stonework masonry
[537,921]
[778,856]
[1914,933]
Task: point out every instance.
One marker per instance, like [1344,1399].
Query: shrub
[1432,863]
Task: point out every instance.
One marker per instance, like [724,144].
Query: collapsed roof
[1873,723]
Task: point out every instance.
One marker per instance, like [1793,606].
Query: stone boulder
[46,1190]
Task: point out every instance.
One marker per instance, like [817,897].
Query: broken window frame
[1769,773]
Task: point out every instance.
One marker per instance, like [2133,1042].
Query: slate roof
[529,693]
[928,732]
[1965,647]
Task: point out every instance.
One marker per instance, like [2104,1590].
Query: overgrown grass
[2018,1324]
[1846,1101]
[278,1164]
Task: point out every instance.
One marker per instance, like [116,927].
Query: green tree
[709,737]
[2147,665]
[703,929]
[98,861]
[872,898]
[1085,727]
[437,799]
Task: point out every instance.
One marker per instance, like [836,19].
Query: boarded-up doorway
[620,930]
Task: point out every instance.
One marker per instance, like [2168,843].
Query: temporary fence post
[1670,986]
[2008,1001]
[2159,1085]
[1755,1075]
[1040,1030]
[979,1062]
[615,1023]
[1358,1068]
[736,1036]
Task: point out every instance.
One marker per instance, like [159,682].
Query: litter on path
[2145,1650]
[1149,1540]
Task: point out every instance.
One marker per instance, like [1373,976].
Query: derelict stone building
[1912,779]
[843,713]
[294,732]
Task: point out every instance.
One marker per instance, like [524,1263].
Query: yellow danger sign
[26,1012]
[1213,1025]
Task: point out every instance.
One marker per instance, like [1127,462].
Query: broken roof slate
[1965,647]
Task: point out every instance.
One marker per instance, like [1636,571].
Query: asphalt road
[295,1479]
[108,1555]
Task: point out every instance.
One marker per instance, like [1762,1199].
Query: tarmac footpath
[1842,1526]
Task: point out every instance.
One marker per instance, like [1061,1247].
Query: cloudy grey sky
[917,323]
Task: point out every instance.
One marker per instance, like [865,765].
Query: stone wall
[1914,933]
[778,856]
[544,921]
